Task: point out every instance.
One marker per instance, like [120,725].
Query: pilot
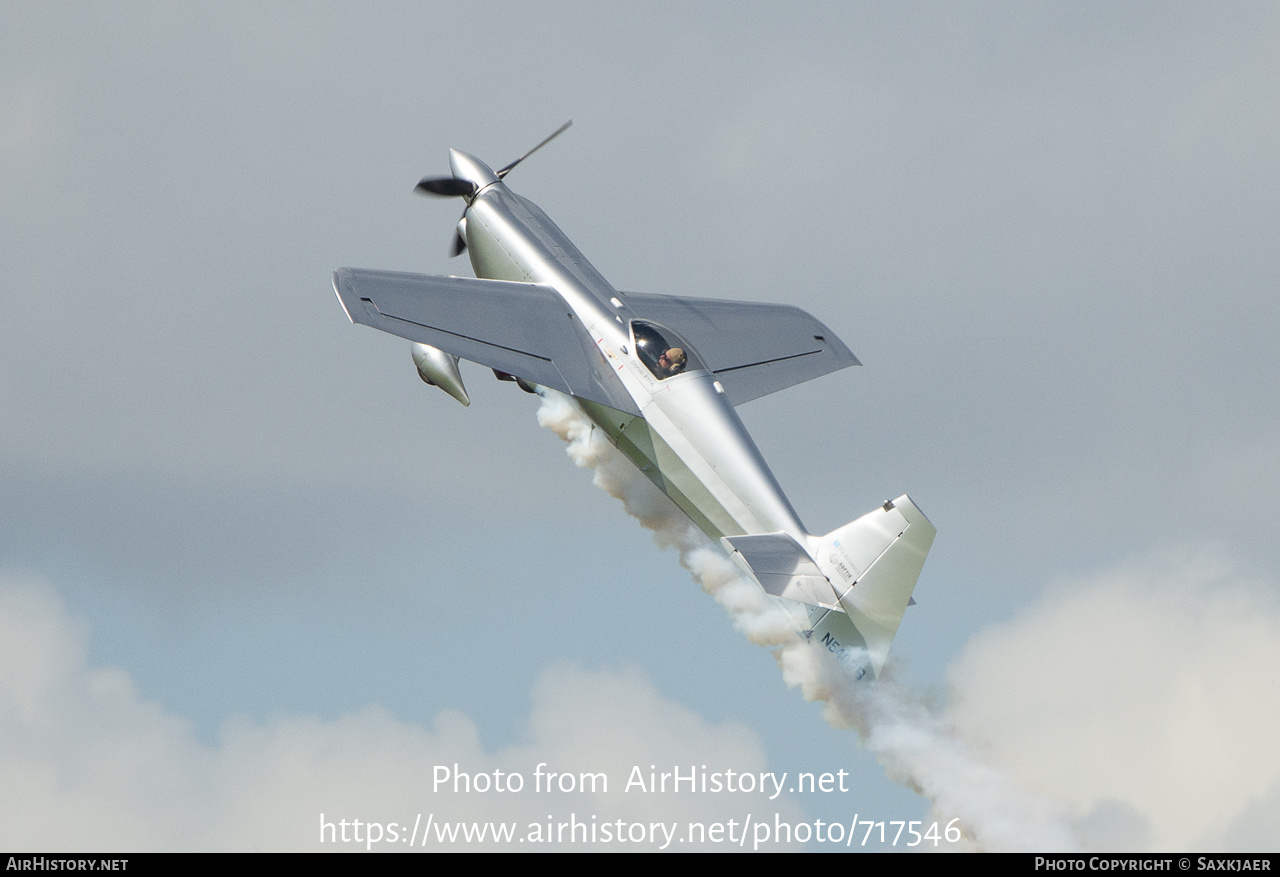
[672,362]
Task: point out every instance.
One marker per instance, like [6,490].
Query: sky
[255,576]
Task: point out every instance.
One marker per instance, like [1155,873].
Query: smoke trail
[915,746]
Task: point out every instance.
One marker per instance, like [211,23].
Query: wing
[523,329]
[754,349]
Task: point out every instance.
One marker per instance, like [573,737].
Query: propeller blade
[506,170]
[448,187]
[459,237]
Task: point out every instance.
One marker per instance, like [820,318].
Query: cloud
[1145,701]
[89,764]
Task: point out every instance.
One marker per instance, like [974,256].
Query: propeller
[446,187]
[554,134]
[452,187]
[459,237]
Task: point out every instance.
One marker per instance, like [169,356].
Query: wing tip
[341,279]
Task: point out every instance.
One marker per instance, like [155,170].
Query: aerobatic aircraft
[661,376]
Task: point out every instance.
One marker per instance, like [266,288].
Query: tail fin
[864,571]
[873,564]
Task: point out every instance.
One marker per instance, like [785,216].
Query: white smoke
[915,746]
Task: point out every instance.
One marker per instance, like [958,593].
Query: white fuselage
[689,441]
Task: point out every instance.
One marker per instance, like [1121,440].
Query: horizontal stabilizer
[782,568]
[859,578]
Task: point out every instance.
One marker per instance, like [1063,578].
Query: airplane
[661,376]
